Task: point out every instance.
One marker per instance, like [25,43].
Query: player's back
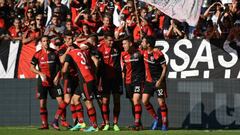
[83,63]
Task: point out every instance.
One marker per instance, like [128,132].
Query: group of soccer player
[98,70]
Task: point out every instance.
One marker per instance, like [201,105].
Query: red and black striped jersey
[111,61]
[82,61]
[153,65]
[48,63]
[133,67]
[72,72]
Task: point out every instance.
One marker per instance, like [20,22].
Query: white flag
[49,15]
[182,10]
[116,17]
[226,1]
[66,2]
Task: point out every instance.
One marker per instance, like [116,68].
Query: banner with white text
[200,59]
[186,59]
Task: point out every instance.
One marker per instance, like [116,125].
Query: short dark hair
[107,15]
[150,40]
[44,36]
[54,16]
[108,34]
[68,20]
[68,33]
[128,38]
[94,36]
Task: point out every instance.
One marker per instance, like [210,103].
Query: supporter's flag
[66,2]
[49,15]
[9,55]
[48,11]
[45,5]
[116,16]
[94,4]
[24,62]
[182,10]
[226,1]
[19,4]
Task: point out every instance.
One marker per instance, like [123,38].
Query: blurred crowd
[27,20]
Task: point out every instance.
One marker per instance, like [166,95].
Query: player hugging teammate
[91,71]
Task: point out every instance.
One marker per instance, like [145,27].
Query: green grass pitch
[35,131]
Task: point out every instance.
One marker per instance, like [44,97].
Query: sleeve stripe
[163,62]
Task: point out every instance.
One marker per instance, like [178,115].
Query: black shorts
[149,88]
[70,85]
[111,86]
[54,91]
[133,88]
[87,90]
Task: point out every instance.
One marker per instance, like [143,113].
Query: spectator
[234,34]
[32,34]
[158,23]
[2,22]
[84,34]
[225,26]
[55,29]
[211,32]
[214,12]
[85,20]
[96,18]
[39,22]
[57,12]
[15,31]
[235,9]
[197,32]
[106,27]
[142,30]
[174,31]
[232,44]
[63,10]
[69,28]
[120,31]
[28,16]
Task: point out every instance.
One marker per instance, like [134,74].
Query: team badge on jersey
[52,56]
[115,50]
[68,90]
[152,58]
[135,55]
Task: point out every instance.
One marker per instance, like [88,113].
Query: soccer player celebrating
[155,71]
[111,79]
[48,81]
[92,45]
[70,81]
[133,74]
[83,62]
